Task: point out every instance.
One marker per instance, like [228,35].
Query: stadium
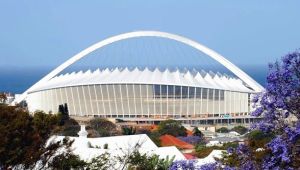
[141,86]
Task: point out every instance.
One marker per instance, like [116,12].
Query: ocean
[17,80]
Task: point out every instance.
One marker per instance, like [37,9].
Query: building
[147,94]
[89,148]
[169,140]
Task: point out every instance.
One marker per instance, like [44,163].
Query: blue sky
[46,33]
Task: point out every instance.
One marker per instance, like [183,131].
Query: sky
[46,33]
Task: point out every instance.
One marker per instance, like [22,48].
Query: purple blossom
[279,101]
[230,150]
[229,168]
[280,150]
[210,166]
[183,164]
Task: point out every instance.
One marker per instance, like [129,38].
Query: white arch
[219,58]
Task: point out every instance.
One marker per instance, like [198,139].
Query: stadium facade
[147,94]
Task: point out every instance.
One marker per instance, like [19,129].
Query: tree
[67,161]
[70,128]
[23,138]
[240,129]
[279,109]
[258,139]
[103,126]
[128,130]
[102,162]
[171,127]
[154,136]
[222,130]
[197,132]
[3,97]
[63,113]
[138,161]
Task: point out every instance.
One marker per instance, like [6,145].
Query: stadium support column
[128,99]
[174,103]
[115,100]
[147,88]
[57,102]
[230,96]
[201,104]
[96,97]
[141,100]
[154,100]
[213,102]
[79,103]
[61,97]
[207,100]
[84,98]
[167,100]
[219,98]
[122,102]
[195,93]
[67,98]
[187,102]
[91,104]
[102,100]
[160,97]
[134,100]
[109,105]
[72,94]
[180,101]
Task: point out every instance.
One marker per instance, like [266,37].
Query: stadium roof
[209,52]
[145,76]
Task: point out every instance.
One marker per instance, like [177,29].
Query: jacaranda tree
[278,130]
[279,109]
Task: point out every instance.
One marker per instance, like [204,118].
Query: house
[219,141]
[169,140]
[89,148]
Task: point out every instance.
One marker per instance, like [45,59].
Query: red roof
[169,140]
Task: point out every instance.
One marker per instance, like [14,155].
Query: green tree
[171,127]
[259,139]
[23,138]
[197,132]
[240,129]
[70,128]
[63,114]
[103,126]
[3,97]
[67,161]
[222,130]
[128,130]
[154,136]
[103,162]
[138,161]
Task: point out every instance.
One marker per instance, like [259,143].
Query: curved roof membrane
[210,53]
[146,76]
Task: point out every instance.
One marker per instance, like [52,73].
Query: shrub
[240,129]
[171,127]
[103,126]
[222,130]
[128,130]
